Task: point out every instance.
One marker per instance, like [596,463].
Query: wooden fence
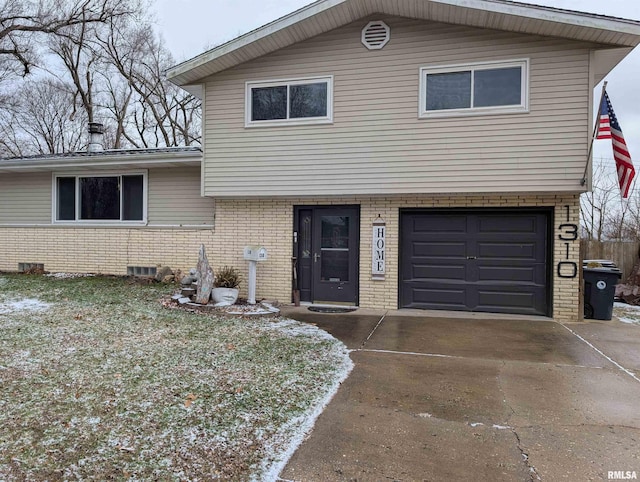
[623,253]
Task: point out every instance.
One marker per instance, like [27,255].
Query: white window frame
[99,222]
[523,107]
[328,119]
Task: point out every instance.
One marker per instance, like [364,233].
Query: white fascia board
[251,37]
[549,14]
[98,162]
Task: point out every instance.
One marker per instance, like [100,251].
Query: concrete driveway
[476,397]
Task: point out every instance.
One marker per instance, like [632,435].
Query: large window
[100,198]
[283,102]
[483,88]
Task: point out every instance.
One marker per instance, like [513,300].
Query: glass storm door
[328,256]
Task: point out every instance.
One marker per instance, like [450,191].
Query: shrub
[227,277]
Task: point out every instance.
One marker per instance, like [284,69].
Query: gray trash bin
[599,291]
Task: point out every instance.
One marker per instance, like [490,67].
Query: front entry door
[328,253]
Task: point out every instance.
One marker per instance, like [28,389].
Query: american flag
[608,128]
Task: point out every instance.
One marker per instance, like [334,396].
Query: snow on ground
[625,306]
[629,314]
[69,275]
[26,304]
[291,436]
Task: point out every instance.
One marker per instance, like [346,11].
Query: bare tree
[596,206]
[163,115]
[604,214]
[104,64]
[41,122]
[23,23]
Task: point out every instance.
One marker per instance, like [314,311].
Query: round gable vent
[376,35]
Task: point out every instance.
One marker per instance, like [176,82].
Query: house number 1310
[569,232]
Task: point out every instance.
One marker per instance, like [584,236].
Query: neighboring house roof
[325,15]
[108,159]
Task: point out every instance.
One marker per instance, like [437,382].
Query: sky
[190,27]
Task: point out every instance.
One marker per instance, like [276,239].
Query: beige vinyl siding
[25,198]
[377,144]
[174,198]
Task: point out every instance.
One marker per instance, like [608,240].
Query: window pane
[99,198]
[308,100]
[335,232]
[66,199]
[132,197]
[449,91]
[497,87]
[334,248]
[268,103]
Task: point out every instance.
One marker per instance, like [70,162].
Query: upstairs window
[100,198]
[283,102]
[475,89]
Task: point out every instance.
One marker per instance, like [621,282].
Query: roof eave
[316,18]
[97,162]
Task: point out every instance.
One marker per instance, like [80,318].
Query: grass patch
[105,384]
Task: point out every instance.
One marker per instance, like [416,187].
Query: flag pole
[593,136]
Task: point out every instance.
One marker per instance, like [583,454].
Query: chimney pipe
[96,131]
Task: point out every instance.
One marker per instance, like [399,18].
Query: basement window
[287,102]
[475,89]
[101,198]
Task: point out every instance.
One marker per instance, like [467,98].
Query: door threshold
[334,304]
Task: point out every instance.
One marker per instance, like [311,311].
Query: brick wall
[269,222]
[100,250]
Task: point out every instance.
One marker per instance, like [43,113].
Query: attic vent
[375,35]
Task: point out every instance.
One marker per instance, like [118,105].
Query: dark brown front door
[327,252]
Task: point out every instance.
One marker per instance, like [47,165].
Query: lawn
[98,381]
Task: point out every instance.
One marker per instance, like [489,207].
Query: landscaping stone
[205,278]
[163,272]
[184,301]
[176,297]
[188,291]
[187,280]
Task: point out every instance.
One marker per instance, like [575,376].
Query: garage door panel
[503,251]
[507,224]
[498,263]
[497,301]
[445,224]
[439,249]
[508,274]
[437,298]
[425,272]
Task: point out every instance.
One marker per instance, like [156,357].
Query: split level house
[388,154]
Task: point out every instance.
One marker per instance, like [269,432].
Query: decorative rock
[169,278]
[162,272]
[188,292]
[184,301]
[176,297]
[205,278]
[193,272]
[186,281]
